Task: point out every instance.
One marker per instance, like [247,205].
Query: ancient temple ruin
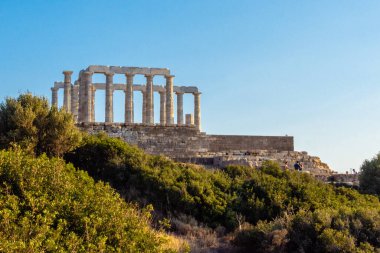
[178,140]
[79,97]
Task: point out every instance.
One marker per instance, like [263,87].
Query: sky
[308,69]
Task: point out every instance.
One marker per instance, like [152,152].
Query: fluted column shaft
[109,97]
[54,96]
[82,91]
[162,107]
[179,108]
[87,96]
[93,104]
[149,100]
[143,107]
[74,101]
[197,110]
[67,91]
[129,104]
[169,100]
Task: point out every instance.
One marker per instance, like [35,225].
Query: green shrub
[48,206]
[370,176]
[29,122]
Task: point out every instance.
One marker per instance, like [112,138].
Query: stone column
[54,96]
[82,91]
[87,76]
[143,107]
[149,116]
[189,119]
[109,97]
[93,104]
[197,109]
[169,100]
[179,108]
[67,90]
[74,101]
[80,94]
[129,99]
[162,107]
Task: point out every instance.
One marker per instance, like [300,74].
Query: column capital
[67,72]
[169,76]
[197,93]
[179,92]
[88,73]
[129,75]
[109,74]
[149,76]
[54,89]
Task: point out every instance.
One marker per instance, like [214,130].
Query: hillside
[50,204]
[302,213]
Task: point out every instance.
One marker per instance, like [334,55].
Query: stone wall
[186,141]
[255,159]
[171,141]
[188,144]
[221,143]
[346,179]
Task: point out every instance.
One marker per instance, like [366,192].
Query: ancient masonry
[182,141]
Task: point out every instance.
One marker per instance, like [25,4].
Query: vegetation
[48,204]
[370,176]
[30,122]
[271,209]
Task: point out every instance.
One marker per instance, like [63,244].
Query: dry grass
[174,243]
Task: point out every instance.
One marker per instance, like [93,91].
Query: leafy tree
[370,176]
[30,122]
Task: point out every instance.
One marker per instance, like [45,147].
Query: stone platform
[255,159]
[188,144]
[185,141]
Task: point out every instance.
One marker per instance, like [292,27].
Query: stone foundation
[187,144]
[186,141]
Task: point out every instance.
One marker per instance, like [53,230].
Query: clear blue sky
[309,69]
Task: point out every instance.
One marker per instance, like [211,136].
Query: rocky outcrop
[255,159]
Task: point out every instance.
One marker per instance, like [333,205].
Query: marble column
[143,107]
[149,116]
[179,108]
[162,107]
[54,96]
[74,101]
[93,104]
[197,109]
[80,94]
[129,104]
[189,119]
[109,97]
[87,76]
[82,91]
[67,90]
[169,100]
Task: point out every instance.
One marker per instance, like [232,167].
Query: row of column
[80,100]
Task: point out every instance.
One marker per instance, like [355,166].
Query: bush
[227,198]
[48,206]
[29,122]
[370,176]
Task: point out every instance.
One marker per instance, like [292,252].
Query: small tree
[30,122]
[370,175]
